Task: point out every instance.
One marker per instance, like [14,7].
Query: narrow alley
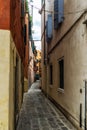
[38,113]
[43,65]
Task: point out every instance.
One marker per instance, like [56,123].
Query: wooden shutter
[61,11]
[50,29]
[58,12]
[55,14]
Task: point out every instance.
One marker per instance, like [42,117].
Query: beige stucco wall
[73,9]
[8,54]
[74,49]
[4,78]
[12,82]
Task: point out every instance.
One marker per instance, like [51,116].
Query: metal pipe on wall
[44,37]
[85,106]
[80,115]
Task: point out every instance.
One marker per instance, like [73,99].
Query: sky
[37,23]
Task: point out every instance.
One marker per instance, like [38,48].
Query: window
[25,27]
[61,73]
[58,12]
[51,74]
[30,30]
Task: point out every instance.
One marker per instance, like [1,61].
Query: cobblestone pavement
[38,113]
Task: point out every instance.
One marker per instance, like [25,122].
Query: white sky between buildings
[36,23]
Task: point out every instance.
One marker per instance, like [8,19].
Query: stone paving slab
[37,113]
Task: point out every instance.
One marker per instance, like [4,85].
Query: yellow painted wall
[12,81]
[8,54]
[4,78]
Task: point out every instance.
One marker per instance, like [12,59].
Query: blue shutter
[61,11]
[50,29]
[47,31]
[55,14]
[58,12]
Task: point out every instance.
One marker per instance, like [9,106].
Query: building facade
[64,56]
[26,39]
[31,66]
[28,63]
[12,60]
[37,65]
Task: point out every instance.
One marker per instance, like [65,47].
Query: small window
[51,74]
[61,73]
[25,27]
[30,31]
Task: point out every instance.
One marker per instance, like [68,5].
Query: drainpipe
[45,50]
[44,37]
[85,22]
[80,115]
[85,106]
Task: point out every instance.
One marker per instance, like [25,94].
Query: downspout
[80,115]
[85,106]
[45,51]
[44,37]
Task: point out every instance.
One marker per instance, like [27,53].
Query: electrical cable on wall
[68,13]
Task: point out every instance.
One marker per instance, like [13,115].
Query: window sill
[60,90]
